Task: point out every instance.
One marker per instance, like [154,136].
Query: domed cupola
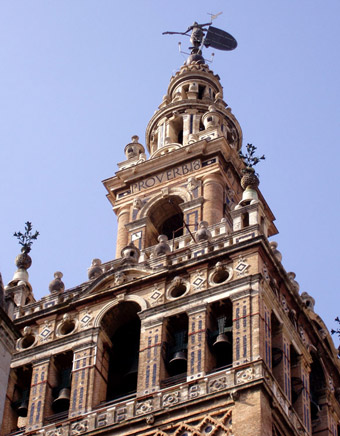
[193,109]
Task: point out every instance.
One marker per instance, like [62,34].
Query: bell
[221,341]
[23,408]
[178,364]
[62,402]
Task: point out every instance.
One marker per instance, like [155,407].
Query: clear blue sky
[80,77]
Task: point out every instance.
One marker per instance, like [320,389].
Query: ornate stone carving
[120,278]
[217,384]
[194,391]
[171,398]
[137,203]
[244,376]
[79,427]
[143,407]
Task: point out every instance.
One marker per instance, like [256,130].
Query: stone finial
[211,118]
[95,269]
[295,284]
[134,149]
[203,234]
[130,253]
[23,261]
[162,247]
[277,254]
[57,285]
[308,300]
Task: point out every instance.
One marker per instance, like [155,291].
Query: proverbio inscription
[166,176]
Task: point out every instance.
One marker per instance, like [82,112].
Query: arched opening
[220,334]
[122,326]
[18,397]
[167,217]
[175,350]
[318,389]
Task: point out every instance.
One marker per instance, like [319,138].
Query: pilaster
[150,357]
[40,396]
[197,344]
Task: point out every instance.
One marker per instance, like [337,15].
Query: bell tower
[195,328]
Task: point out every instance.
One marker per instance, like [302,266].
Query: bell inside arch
[178,361]
[62,402]
[22,404]
[222,340]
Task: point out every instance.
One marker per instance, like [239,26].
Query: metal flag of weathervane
[205,35]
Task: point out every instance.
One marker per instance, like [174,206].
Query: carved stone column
[122,233]
[213,198]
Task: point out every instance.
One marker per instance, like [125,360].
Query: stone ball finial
[203,234]
[95,269]
[57,284]
[23,260]
[249,179]
[162,247]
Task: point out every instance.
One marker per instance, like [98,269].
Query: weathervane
[208,36]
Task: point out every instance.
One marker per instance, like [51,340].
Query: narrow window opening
[201,90]
[245,220]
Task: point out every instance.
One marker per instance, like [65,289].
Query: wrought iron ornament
[208,36]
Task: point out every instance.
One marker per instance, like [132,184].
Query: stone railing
[182,249]
[225,381]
